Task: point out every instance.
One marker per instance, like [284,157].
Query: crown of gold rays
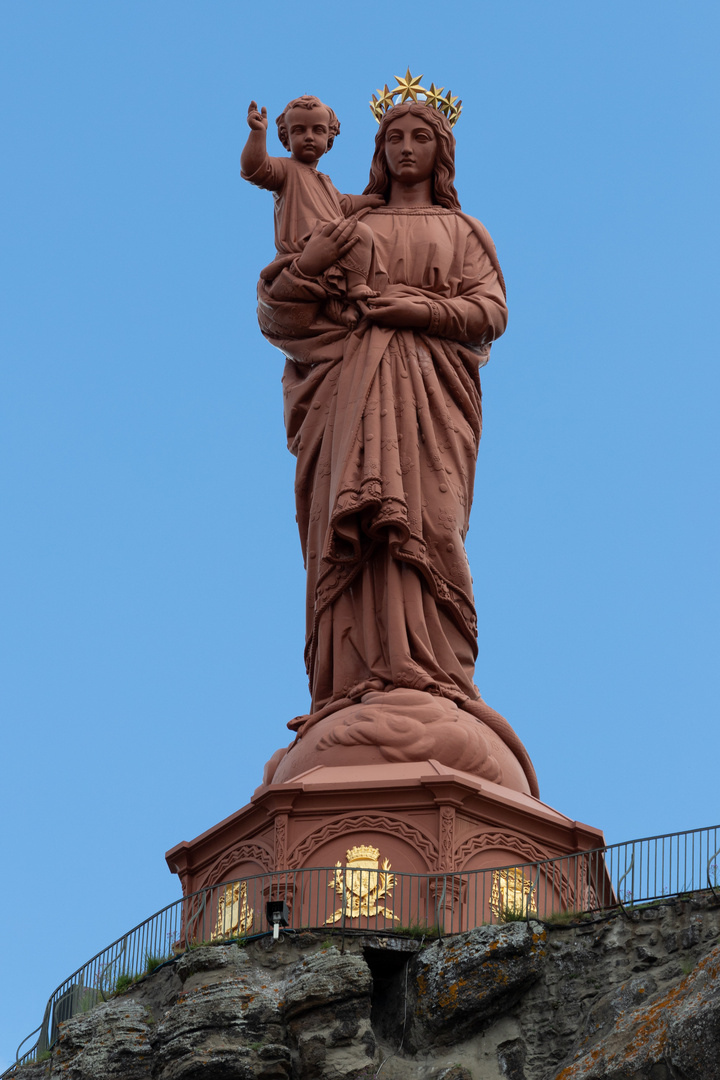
[408,89]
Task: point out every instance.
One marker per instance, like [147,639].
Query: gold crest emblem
[510,897]
[234,917]
[362,882]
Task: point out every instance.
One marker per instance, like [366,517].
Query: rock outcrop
[622,997]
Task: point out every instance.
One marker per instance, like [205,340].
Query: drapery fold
[385,425]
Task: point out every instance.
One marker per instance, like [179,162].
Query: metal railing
[375,899]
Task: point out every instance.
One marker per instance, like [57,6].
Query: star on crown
[407,89]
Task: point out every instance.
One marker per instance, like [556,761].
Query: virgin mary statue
[385,419]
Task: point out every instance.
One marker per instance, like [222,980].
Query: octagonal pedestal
[423,817]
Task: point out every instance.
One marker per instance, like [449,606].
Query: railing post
[627,871]
[709,864]
[532,892]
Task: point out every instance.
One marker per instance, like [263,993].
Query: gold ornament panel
[362,883]
[234,916]
[511,895]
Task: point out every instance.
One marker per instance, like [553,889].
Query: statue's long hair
[444,193]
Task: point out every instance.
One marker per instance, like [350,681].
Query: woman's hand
[368,202]
[326,246]
[397,313]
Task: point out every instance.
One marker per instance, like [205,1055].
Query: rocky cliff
[623,997]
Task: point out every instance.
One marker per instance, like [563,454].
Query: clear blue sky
[152,584]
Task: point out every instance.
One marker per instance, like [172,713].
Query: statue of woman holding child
[385,322]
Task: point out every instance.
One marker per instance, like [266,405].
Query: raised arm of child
[255,150]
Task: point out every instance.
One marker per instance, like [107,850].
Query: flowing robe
[385,425]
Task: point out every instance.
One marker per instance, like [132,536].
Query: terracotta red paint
[383,412]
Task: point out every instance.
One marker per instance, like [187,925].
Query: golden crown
[364,851]
[408,89]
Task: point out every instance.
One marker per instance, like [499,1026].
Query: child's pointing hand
[257,120]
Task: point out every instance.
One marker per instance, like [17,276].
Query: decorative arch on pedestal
[239,856]
[501,842]
[385,824]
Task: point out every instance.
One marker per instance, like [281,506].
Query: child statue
[306,199]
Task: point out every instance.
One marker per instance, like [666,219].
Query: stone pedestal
[424,817]
[402,781]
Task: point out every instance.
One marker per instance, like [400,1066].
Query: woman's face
[410,148]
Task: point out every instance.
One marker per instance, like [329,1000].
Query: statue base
[422,816]
[403,725]
[400,781]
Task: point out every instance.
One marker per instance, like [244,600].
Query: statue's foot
[361,292]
